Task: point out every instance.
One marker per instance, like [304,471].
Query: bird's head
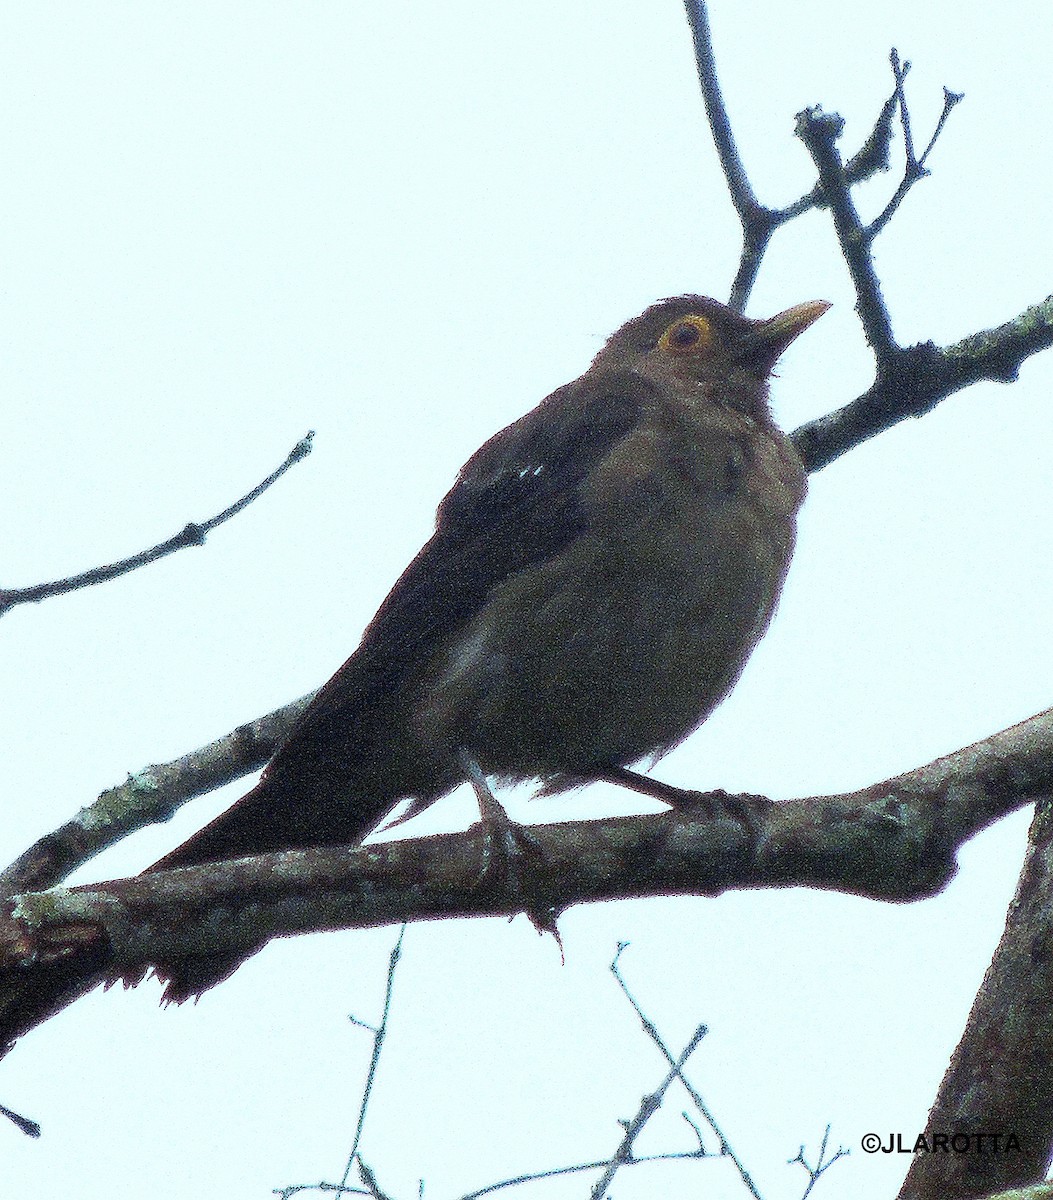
[699,341]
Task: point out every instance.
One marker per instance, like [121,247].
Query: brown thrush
[598,576]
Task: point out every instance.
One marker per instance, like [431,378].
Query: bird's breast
[620,645]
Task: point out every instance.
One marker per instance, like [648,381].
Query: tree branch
[895,840]
[819,131]
[917,378]
[759,221]
[1000,1078]
[149,797]
[192,534]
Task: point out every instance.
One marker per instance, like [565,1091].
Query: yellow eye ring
[687,335]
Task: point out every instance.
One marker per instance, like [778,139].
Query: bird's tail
[314,793]
[272,817]
[281,814]
[345,764]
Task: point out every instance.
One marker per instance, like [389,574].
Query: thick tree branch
[1000,1078]
[192,534]
[895,840]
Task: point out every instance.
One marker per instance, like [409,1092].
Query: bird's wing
[516,503]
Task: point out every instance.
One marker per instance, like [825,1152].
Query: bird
[599,574]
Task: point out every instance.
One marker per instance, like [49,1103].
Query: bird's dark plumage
[598,575]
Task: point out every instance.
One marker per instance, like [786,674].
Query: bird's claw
[748,811]
[507,848]
[512,856]
[745,809]
[504,843]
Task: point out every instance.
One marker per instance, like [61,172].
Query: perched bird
[598,576]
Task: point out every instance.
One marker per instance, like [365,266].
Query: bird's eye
[690,335]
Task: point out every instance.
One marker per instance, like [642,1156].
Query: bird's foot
[513,856]
[511,853]
[747,810]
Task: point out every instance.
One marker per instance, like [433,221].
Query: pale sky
[401,226]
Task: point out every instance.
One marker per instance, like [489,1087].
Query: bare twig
[378,1044]
[286,1193]
[758,222]
[28,1127]
[950,99]
[193,534]
[822,1165]
[578,1168]
[652,1032]
[742,195]
[914,167]
[649,1105]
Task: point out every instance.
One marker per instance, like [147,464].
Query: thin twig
[759,221]
[379,1033]
[193,534]
[914,168]
[742,195]
[652,1032]
[950,99]
[28,1127]
[295,1189]
[378,1044]
[821,1166]
[900,70]
[578,1168]
[649,1105]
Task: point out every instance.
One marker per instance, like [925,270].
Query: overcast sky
[401,226]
